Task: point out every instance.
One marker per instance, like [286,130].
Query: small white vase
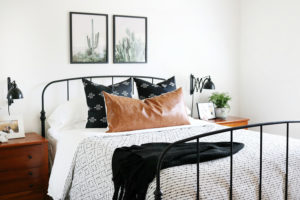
[221,112]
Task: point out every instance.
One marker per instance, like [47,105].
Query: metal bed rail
[43,113]
[158,194]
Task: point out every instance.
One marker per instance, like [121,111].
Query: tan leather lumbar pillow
[126,114]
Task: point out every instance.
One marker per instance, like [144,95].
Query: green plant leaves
[220,99]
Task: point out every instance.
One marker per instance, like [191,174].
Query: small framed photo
[88,38]
[13,126]
[206,111]
[129,39]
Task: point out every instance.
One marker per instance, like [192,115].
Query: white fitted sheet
[52,141]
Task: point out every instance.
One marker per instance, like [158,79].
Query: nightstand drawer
[21,157]
[21,185]
[21,174]
[27,195]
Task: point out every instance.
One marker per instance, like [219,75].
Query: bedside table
[231,121]
[24,168]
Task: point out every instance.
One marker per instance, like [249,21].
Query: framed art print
[88,38]
[129,39]
[206,111]
[13,126]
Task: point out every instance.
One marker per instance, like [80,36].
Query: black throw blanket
[134,167]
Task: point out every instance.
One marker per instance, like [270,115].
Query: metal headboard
[43,113]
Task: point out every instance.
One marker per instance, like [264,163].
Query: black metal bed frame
[43,113]
[158,194]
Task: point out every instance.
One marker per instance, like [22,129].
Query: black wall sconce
[198,84]
[13,92]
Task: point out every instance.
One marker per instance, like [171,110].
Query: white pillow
[68,114]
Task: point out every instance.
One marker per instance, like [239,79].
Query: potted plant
[220,100]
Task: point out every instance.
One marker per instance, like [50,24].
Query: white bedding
[90,175]
[67,141]
[68,173]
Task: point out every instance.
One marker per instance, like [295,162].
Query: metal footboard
[158,194]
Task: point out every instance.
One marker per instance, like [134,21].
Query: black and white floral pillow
[95,100]
[148,90]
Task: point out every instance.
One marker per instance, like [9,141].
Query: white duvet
[85,172]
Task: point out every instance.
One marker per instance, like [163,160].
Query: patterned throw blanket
[90,176]
[135,167]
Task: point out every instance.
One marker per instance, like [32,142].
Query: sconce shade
[208,84]
[14,93]
[198,84]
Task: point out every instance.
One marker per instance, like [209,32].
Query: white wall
[250,48]
[270,64]
[195,36]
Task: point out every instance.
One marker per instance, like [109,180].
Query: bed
[82,164]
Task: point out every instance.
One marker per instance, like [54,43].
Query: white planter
[222,112]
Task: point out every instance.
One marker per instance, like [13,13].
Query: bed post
[157,194]
[43,118]
[43,113]
[287,162]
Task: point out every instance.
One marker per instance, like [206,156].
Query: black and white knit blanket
[90,176]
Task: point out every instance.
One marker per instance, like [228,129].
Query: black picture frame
[115,59]
[106,57]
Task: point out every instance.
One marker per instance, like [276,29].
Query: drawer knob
[31,185]
[30,173]
[29,156]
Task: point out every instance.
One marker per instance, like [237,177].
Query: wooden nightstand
[24,168]
[231,121]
